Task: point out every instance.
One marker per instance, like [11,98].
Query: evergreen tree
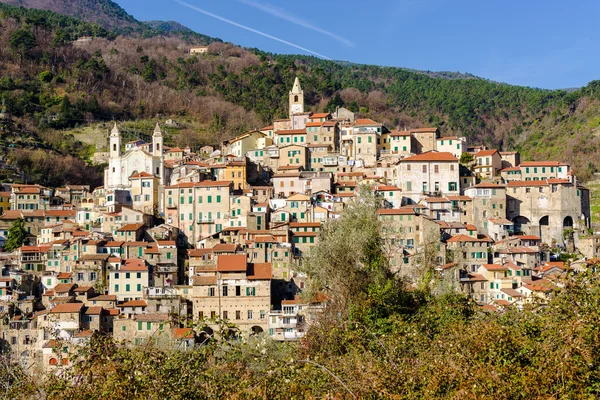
[16,235]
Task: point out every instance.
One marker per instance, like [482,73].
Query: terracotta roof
[231,263]
[305,224]
[495,267]
[511,169]
[204,280]
[422,130]
[386,188]
[82,289]
[93,311]
[134,303]
[542,164]
[365,121]
[64,275]
[313,124]
[260,271]
[291,132]
[485,153]
[466,238]
[511,292]
[399,133]
[141,175]
[319,115]
[529,237]
[307,234]
[527,183]
[432,156]
[67,308]
[133,264]
[63,287]
[199,252]
[182,333]
[130,228]
[104,297]
[225,247]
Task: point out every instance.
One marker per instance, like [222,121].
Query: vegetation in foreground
[378,340]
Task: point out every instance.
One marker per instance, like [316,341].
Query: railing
[31,258]
[330,161]
[205,220]
[165,268]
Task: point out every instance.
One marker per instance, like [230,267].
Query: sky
[549,44]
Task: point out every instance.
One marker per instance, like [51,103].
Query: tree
[466,158]
[22,41]
[16,235]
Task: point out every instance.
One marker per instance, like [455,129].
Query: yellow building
[4,202]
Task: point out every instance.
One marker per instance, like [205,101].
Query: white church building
[123,165]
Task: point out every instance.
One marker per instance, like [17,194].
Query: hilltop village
[218,235]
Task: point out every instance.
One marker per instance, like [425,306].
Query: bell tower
[157,141]
[157,152]
[115,142]
[296,99]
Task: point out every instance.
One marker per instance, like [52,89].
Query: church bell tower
[296,99]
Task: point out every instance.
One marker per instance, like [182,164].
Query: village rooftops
[396,211]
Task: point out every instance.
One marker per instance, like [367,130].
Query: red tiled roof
[134,303]
[466,238]
[260,271]
[182,333]
[542,164]
[423,130]
[67,308]
[432,156]
[291,132]
[133,264]
[485,153]
[231,263]
[130,228]
[396,211]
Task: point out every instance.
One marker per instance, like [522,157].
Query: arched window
[157,146]
[114,147]
[113,169]
[295,99]
[158,171]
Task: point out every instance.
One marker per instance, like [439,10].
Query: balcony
[205,220]
[30,258]
[161,292]
[330,161]
[273,153]
[171,206]
[166,268]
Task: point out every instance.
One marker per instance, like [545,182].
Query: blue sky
[541,43]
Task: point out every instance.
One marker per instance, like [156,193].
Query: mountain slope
[232,89]
[105,13]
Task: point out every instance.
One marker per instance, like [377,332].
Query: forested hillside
[47,82]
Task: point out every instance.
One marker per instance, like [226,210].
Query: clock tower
[296,99]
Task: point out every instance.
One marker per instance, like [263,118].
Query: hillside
[124,77]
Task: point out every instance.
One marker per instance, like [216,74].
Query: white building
[122,166]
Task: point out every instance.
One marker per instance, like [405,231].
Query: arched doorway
[545,228]
[256,330]
[568,222]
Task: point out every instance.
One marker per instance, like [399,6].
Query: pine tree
[16,235]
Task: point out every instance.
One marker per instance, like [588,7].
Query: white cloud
[283,14]
[200,10]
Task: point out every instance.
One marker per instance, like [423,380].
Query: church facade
[121,166]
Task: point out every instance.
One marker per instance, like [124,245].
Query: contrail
[183,3]
[283,14]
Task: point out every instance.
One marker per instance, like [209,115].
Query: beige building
[540,170]
[428,174]
[424,139]
[488,163]
[366,135]
[144,193]
[452,144]
[488,201]
[546,208]
[239,292]
[129,280]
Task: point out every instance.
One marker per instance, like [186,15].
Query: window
[116,288]
[436,169]
[139,326]
[225,291]
[127,287]
[238,290]
[424,169]
[250,291]
[224,314]
[249,314]
[211,292]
